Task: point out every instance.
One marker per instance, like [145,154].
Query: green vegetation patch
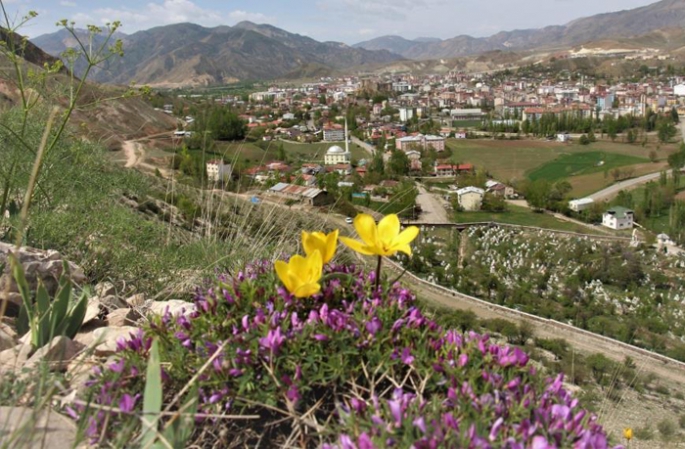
[582,164]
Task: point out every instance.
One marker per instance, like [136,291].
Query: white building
[618,218]
[333,134]
[217,170]
[470,198]
[336,155]
[679,90]
[406,114]
[581,204]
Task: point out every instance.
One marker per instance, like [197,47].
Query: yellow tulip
[628,433]
[384,239]
[325,244]
[301,275]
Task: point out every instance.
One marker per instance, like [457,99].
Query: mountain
[188,54]
[621,24]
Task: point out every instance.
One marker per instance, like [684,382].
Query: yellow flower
[382,240]
[301,275]
[325,244]
[628,433]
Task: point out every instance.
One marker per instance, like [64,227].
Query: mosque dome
[335,149]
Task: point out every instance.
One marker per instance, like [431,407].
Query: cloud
[68,4]
[166,12]
[378,9]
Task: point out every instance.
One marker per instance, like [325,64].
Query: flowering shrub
[350,367]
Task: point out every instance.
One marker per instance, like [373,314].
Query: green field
[510,160]
[522,216]
[576,164]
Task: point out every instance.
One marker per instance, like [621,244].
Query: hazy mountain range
[634,22]
[187,54]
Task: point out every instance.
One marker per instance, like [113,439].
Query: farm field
[522,216]
[586,184]
[575,164]
[512,160]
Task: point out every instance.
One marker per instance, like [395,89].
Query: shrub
[644,433]
[666,428]
[364,361]
[681,421]
[557,346]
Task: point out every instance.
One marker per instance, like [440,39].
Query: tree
[666,131]
[280,155]
[399,163]
[584,140]
[674,115]
[591,136]
[537,193]
[653,156]
[677,160]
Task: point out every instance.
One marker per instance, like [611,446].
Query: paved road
[432,206]
[611,191]
[369,148]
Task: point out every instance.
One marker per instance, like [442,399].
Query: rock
[93,310]
[38,264]
[58,353]
[23,427]
[111,302]
[137,300]
[105,339]
[13,359]
[8,337]
[176,307]
[122,317]
[103,289]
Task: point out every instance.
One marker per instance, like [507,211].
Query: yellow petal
[331,244]
[389,227]
[406,249]
[406,237]
[356,245]
[366,228]
[297,265]
[314,267]
[283,274]
[307,290]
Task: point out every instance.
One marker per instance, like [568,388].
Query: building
[470,198]
[406,114]
[466,114]
[563,137]
[334,133]
[451,170]
[581,204]
[218,171]
[499,189]
[679,90]
[420,142]
[336,155]
[618,218]
[307,195]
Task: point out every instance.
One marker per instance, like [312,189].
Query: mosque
[336,155]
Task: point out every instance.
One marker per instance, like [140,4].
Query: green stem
[378,271]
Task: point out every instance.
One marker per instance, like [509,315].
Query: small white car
[349,220]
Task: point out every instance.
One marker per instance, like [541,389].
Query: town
[454,148]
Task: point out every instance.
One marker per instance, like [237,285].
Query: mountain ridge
[190,54]
[619,24]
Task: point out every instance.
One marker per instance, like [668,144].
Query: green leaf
[76,316]
[43,321]
[152,400]
[26,313]
[60,307]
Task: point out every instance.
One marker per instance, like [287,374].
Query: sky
[348,21]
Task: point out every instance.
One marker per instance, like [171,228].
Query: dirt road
[432,207]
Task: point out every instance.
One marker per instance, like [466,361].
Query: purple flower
[407,358]
[320,337]
[374,325]
[118,367]
[365,442]
[127,403]
[273,340]
[396,411]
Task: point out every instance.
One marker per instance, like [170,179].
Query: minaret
[347,139]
